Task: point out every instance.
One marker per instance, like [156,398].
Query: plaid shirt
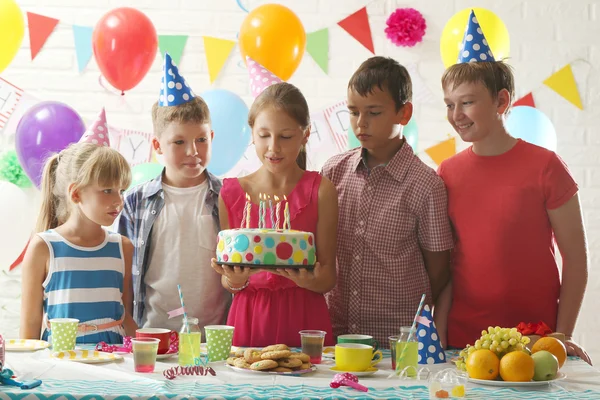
[143,203]
[388,215]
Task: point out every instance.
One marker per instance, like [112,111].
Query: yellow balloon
[493,29]
[12,28]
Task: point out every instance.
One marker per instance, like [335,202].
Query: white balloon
[16,222]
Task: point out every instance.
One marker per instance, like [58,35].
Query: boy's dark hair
[495,76]
[386,74]
[195,110]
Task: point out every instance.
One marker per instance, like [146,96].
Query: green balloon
[410,132]
[144,172]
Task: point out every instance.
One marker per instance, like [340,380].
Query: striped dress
[85,283]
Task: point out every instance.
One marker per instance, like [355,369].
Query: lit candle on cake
[271,212]
[260,209]
[277,211]
[286,221]
[248,212]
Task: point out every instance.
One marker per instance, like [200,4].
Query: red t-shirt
[503,265]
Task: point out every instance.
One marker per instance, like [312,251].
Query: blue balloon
[229,117]
[531,125]
[410,132]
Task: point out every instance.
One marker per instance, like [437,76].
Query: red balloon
[125,45]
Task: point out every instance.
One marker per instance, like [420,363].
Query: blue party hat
[174,90]
[430,348]
[475,47]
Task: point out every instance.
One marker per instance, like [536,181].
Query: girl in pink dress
[271,307]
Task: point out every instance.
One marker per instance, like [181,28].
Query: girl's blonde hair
[288,98]
[81,164]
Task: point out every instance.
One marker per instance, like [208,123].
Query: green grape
[478,344]
[506,336]
[486,344]
[525,340]
[498,329]
[504,344]
[471,350]
[519,335]
[495,344]
[463,354]
[499,350]
[483,332]
[513,330]
[491,329]
[512,341]
[519,346]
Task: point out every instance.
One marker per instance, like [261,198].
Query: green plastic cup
[218,341]
[63,332]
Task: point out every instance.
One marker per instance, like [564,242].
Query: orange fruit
[554,346]
[517,366]
[483,364]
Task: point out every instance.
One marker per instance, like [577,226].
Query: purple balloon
[45,129]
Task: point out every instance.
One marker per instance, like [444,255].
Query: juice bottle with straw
[190,338]
[407,352]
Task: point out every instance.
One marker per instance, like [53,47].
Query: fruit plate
[559,376]
[26,345]
[86,356]
[293,373]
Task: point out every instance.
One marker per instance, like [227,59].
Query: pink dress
[273,309]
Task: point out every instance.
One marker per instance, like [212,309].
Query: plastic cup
[63,332]
[218,341]
[144,353]
[312,344]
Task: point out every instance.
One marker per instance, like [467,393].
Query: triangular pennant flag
[317,45]
[474,47]
[526,100]
[217,52]
[563,83]
[442,151]
[40,27]
[172,44]
[83,45]
[357,25]
[174,90]
[19,259]
[430,348]
[97,132]
[260,77]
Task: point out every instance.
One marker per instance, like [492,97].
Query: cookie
[275,347]
[263,365]
[275,355]
[289,362]
[301,356]
[241,363]
[282,369]
[240,352]
[305,366]
[252,355]
[231,360]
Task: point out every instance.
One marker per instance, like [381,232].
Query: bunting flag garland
[172,44]
[82,36]
[357,25]
[563,83]
[317,45]
[526,100]
[40,28]
[442,150]
[217,52]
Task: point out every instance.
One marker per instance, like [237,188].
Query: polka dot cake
[266,248]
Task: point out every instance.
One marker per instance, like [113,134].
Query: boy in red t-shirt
[509,202]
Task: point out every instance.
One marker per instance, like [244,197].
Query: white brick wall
[545,35]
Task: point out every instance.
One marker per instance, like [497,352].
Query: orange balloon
[273,36]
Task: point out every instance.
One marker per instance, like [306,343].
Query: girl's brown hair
[288,98]
[81,164]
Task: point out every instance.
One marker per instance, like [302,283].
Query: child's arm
[441,311]
[437,264]
[231,277]
[323,277]
[33,276]
[128,323]
[567,224]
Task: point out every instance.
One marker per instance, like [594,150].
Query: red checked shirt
[387,216]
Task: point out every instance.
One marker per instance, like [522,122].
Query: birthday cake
[266,248]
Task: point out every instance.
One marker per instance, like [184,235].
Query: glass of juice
[393,340]
[190,338]
[312,344]
[407,352]
[144,353]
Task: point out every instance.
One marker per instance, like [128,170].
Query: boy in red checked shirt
[509,202]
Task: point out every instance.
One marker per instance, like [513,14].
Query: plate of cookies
[277,359]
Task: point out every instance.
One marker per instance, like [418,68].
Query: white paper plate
[559,376]
[293,373]
[25,345]
[86,356]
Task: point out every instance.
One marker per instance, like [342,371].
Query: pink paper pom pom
[405,27]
